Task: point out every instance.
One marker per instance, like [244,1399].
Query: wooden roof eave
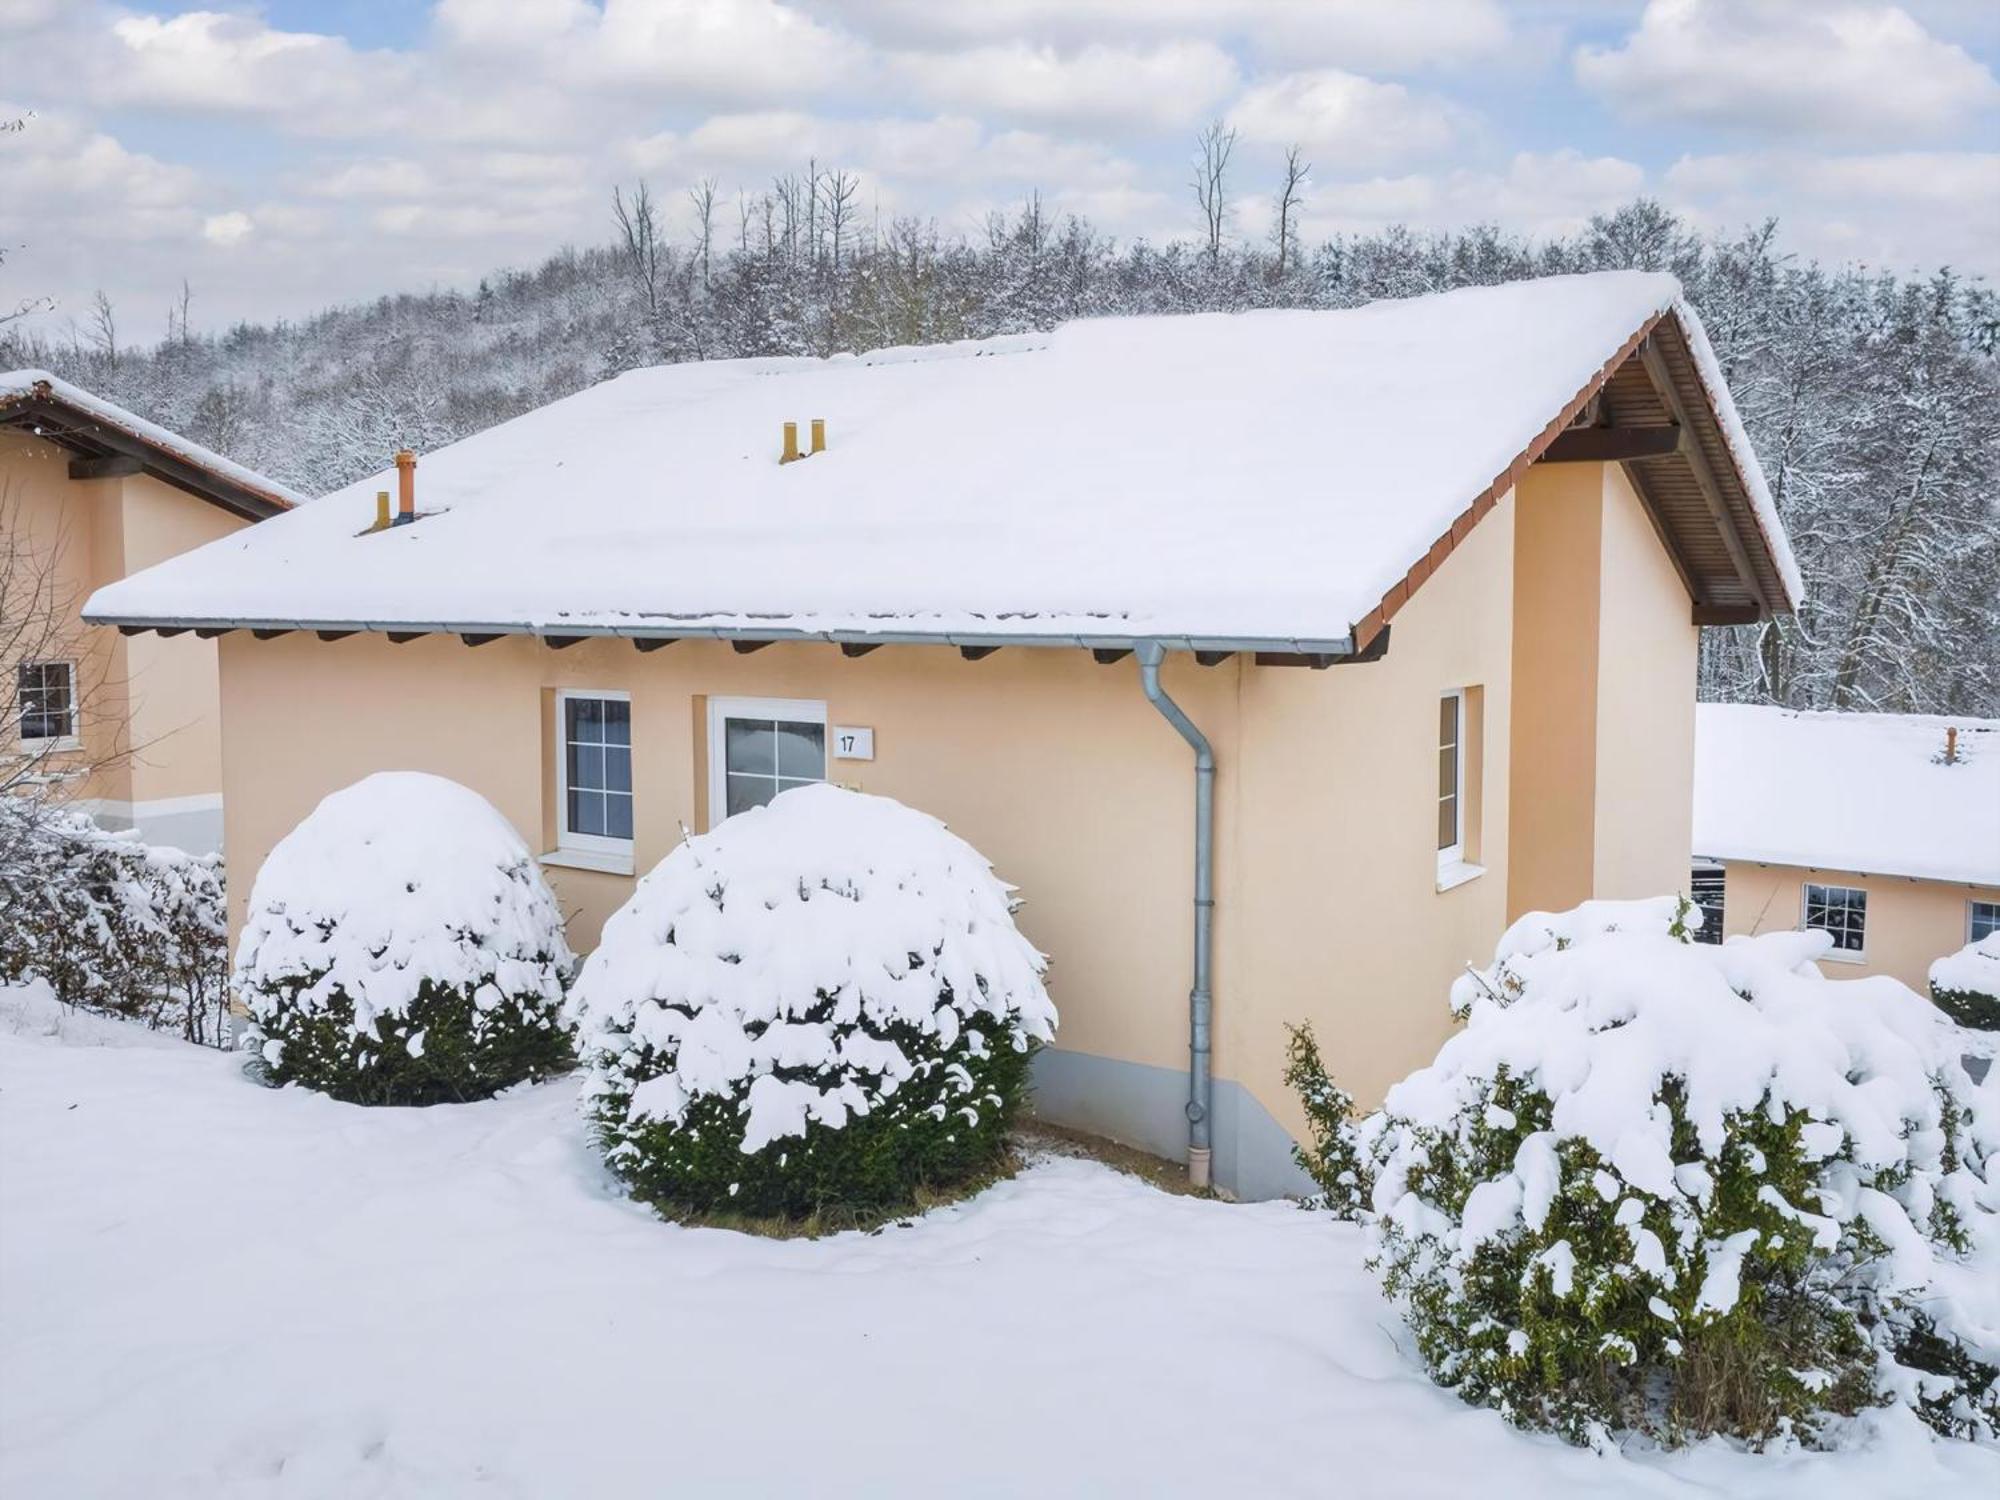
[94,439]
[1753,588]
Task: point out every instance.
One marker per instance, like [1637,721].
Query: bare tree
[1290,196]
[1211,183]
[102,329]
[839,191]
[639,241]
[702,196]
[177,316]
[52,672]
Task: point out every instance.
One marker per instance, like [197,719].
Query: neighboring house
[1883,829]
[88,493]
[967,601]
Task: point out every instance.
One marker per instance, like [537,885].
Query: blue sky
[285,155]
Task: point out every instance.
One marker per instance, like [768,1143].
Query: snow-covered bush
[819,1008]
[1966,984]
[402,948]
[1684,1189]
[1334,1159]
[112,924]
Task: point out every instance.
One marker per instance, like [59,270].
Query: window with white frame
[1451,778]
[759,747]
[45,703]
[594,770]
[1982,919]
[1839,910]
[1706,888]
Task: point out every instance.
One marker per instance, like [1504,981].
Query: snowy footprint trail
[208,1288]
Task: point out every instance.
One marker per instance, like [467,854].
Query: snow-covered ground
[208,1288]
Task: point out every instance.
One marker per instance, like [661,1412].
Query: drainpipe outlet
[1198,1168]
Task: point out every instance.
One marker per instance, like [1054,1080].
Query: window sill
[50,747]
[1835,957]
[602,860]
[1457,873]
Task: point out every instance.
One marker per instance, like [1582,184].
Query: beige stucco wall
[1911,923]
[149,705]
[1331,841]
[1604,661]
[1055,767]
[1648,651]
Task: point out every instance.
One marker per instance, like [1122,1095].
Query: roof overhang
[1108,646]
[104,448]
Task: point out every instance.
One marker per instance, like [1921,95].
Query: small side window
[1842,911]
[45,704]
[1451,779]
[1707,888]
[1982,919]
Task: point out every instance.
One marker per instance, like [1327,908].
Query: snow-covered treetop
[401,878]
[1871,793]
[730,950]
[1973,970]
[1263,476]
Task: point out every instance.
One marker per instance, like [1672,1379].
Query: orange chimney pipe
[406,487]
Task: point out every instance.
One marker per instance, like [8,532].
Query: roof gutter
[1200,997]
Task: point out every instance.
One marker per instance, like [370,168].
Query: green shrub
[1333,1160]
[112,924]
[402,948]
[1678,1189]
[1966,985]
[819,1011]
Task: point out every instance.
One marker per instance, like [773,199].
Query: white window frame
[720,710]
[587,843]
[1971,906]
[1837,955]
[43,744]
[1453,854]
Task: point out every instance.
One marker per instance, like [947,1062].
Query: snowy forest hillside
[1873,399]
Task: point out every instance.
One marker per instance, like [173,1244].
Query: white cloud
[210,63]
[227,229]
[393,177]
[707,49]
[1840,71]
[1164,87]
[1901,209]
[1394,35]
[1346,120]
[1539,194]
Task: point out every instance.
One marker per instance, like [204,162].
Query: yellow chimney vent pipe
[381,510]
[791,455]
[819,434]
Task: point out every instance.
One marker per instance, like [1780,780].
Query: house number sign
[851,742]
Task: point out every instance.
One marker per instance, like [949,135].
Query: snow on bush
[1966,984]
[818,1008]
[401,947]
[1683,1189]
[111,924]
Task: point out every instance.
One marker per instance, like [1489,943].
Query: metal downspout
[1150,654]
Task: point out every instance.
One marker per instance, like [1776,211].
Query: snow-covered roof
[71,416]
[1262,478]
[1868,793]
